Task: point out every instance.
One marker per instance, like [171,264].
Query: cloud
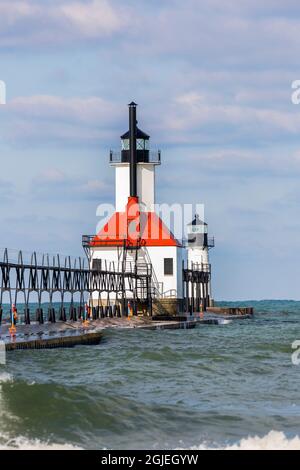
[44,118]
[93,19]
[213,81]
[14,11]
[51,176]
[194,120]
[236,34]
[27,22]
[7,192]
[189,118]
[91,109]
[212,103]
[53,184]
[205,31]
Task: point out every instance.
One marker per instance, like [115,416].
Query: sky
[213,81]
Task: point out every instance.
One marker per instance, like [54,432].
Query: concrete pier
[48,336]
[69,334]
[231,310]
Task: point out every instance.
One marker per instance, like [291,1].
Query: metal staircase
[141,259]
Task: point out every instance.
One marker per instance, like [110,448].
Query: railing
[129,267]
[90,241]
[33,279]
[211,242]
[151,156]
[171,293]
[14,256]
[199,267]
[157,290]
[86,240]
[156,284]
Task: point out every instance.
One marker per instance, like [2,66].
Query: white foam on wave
[274,440]
[22,443]
[5,377]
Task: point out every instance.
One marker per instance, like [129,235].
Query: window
[125,144]
[97,265]
[140,144]
[198,229]
[168,266]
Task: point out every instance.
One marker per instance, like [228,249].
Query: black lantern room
[142,147]
[197,233]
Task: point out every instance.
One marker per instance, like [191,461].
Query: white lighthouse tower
[198,246]
[135,235]
[146,161]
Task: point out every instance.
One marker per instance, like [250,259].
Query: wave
[5,377]
[23,443]
[274,440]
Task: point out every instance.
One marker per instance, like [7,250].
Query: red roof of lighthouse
[153,232]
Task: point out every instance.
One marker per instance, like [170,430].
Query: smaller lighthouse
[199,245]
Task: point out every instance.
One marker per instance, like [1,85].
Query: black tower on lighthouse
[141,140]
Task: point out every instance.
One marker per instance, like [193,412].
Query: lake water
[220,386]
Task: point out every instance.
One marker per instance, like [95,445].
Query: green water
[210,386]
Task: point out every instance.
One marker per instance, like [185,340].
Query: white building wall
[198,255]
[110,257]
[108,254]
[145,185]
[171,284]
[122,186]
[181,257]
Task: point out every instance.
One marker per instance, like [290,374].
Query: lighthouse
[199,244]
[136,240]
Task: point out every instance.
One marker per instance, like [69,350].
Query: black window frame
[169,268]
